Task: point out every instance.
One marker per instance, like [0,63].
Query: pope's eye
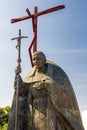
[35,59]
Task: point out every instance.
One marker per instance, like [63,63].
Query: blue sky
[62,36]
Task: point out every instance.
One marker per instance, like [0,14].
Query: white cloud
[84,119]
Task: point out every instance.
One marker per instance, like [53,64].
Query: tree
[4,115]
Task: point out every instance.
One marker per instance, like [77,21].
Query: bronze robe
[47,102]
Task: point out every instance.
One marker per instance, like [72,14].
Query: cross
[34,24]
[18,47]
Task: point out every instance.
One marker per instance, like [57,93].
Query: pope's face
[38,61]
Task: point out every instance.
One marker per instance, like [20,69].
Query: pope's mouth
[36,65]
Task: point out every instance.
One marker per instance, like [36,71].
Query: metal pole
[17,77]
[35,30]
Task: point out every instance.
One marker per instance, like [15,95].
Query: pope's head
[39,59]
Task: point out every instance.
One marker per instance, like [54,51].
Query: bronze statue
[46,99]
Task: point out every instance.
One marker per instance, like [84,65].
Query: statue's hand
[18,70]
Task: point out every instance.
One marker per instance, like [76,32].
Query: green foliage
[4,127]
[4,115]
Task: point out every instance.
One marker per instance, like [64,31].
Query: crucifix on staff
[32,47]
[34,17]
[44,99]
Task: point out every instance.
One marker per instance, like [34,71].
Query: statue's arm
[21,107]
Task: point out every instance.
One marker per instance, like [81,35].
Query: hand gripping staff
[18,71]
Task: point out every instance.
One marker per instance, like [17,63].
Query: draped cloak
[46,102]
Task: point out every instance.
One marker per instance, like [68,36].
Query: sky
[62,36]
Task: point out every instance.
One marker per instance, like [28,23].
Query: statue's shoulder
[29,75]
[55,70]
